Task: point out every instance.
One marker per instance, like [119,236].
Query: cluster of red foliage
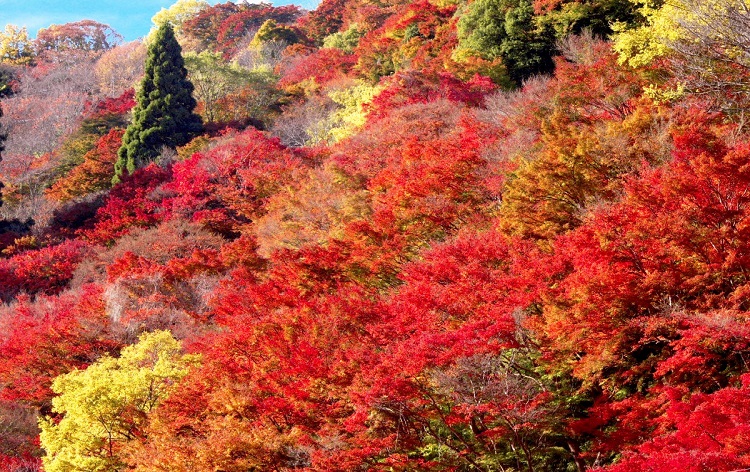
[405,88]
[226,187]
[132,204]
[113,105]
[322,66]
[46,270]
[223,26]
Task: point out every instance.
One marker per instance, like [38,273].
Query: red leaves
[130,204]
[114,106]
[413,87]
[448,327]
[708,352]
[322,66]
[675,239]
[16,463]
[704,432]
[696,207]
[45,271]
[460,301]
[426,323]
[227,186]
[277,376]
[652,303]
[424,188]
[594,87]
[47,337]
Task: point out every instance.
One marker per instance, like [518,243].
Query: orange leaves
[314,210]
[416,36]
[94,173]
[427,181]
[593,132]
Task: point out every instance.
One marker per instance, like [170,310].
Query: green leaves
[508,29]
[164,114]
[215,79]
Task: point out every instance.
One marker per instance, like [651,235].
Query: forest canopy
[466,235]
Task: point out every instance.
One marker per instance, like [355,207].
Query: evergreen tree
[163,116]
[508,29]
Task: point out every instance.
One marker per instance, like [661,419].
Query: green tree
[214,79]
[272,31]
[163,116]
[508,29]
[106,405]
[347,40]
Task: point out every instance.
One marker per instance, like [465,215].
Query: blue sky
[131,18]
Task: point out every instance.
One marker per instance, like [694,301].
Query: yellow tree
[15,46]
[121,68]
[350,115]
[176,15]
[105,406]
[703,41]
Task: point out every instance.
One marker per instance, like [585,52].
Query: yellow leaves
[15,46]
[177,14]
[121,68]
[641,46]
[677,21]
[659,95]
[350,116]
[105,405]
[698,47]
[576,167]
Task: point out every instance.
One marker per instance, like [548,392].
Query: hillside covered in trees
[432,235]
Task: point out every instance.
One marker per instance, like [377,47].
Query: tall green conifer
[163,115]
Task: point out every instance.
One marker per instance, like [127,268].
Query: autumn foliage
[427,260]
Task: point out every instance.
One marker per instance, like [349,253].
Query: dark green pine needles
[163,115]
